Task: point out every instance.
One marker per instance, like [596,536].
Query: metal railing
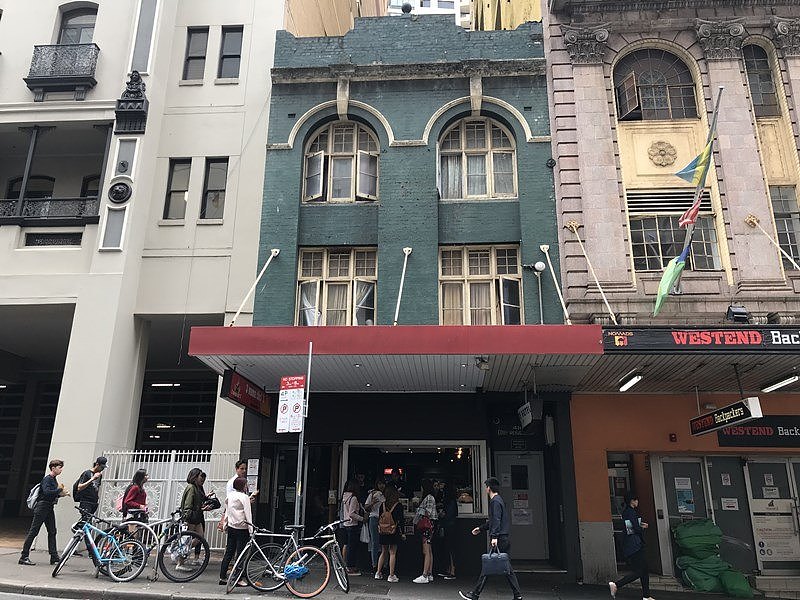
[64,60]
[167,471]
[50,208]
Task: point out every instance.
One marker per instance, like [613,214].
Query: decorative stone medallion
[119,192]
[662,153]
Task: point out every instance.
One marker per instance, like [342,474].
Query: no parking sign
[291,409]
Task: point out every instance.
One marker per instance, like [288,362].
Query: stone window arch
[654,84]
[341,164]
[760,81]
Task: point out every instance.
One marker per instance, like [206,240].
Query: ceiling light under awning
[630,380]
[779,384]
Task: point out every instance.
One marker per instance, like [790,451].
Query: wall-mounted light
[779,384]
[737,314]
[630,380]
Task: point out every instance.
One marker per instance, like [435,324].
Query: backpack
[33,496]
[75,491]
[386,522]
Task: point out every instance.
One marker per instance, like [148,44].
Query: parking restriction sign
[290,404]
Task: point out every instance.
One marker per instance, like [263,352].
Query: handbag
[424,524]
[495,563]
[364,535]
[211,502]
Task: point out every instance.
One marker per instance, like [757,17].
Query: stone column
[787,38]
[602,207]
[745,191]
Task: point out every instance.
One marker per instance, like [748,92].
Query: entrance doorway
[522,487]
[773,488]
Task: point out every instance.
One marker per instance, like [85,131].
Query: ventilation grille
[652,202]
[53,239]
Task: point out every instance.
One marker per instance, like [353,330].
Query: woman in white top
[238,515]
[424,522]
[373,504]
[353,516]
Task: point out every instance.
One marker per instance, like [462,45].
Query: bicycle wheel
[68,551]
[259,574]
[128,561]
[179,559]
[338,566]
[307,572]
[238,569]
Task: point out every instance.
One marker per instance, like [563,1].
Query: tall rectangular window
[216,179]
[194,65]
[480,285]
[230,54]
[177,188]
[787,220]
[336,286]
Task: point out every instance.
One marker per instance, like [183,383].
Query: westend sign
[244,392]
[743,411]
[774,431]
[733,339]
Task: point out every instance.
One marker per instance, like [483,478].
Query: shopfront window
[461,465]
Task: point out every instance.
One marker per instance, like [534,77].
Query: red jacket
[135,498]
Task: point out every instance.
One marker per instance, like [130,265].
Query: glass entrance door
[773,491]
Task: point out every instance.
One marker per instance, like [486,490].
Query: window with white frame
[787,221]
[336,286]
[480,285]
[477,159]
[341,164]
[656,236]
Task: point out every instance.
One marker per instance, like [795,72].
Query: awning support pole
[272,254]
[546,249]
[299,488]
[407,250]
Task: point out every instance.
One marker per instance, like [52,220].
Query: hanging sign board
[525,415]
[774,431]
[700,339]
[291,405]
[743,411]
[244,392]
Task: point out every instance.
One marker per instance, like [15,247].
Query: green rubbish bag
[735,584]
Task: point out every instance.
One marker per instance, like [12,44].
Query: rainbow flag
[695,173]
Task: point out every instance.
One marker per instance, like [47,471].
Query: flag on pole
[670,276]
[695,173]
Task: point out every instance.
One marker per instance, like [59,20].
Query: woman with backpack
[134,501]
[390,531]
[353,517]
[424,520]
[373,505]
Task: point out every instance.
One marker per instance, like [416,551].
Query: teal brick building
[412,133]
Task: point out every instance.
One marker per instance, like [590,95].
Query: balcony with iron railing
[63,68]
[50,211]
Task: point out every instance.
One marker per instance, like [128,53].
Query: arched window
[477,159]
[90,188]
[39,187]
[759,79]
[341,164]
[653,84]
[77,26]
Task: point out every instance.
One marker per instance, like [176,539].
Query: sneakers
[185,568]
[353,572]
[54,560]
[612,587]
[648,598]
[467,595]
[447,576]
[378,575]
[27,561]
[423,579]
[392,579]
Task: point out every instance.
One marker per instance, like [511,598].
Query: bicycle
[173,547]
[304,570]
[334,552]
[124,560]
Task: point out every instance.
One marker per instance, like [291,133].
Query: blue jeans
[374,541]
[352,545]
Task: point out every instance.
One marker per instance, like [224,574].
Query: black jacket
[634,534]
[91,493]
[499,523]
[49,490]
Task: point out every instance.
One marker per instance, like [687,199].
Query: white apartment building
[125,219]
[460,9]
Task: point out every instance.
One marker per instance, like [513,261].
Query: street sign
[291,409]
[739,412]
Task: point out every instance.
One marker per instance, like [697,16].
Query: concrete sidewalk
[76,582]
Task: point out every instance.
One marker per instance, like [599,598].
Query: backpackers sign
[729,339]
[737,413]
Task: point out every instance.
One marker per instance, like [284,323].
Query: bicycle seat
[294,527]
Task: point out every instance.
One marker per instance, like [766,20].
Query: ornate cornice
[721,40]
[586,45]
[787,35]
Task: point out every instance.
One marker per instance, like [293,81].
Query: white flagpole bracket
[546,249]
[272,254]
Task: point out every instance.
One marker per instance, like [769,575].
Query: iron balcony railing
[63,67]
[47,211]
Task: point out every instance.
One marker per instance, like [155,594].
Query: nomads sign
[732,339]
[291,405]
[745,410]
[244,392]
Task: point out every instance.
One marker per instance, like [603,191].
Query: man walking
[499,528]
[44,513]
[88,486]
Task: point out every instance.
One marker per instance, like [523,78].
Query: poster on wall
[729,503]
[775,537]
[726,479]
[770,492]
[521,516]
[683,483]
[685,502]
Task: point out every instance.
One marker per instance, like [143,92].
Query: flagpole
[698,192]
[752,221]
[573,226]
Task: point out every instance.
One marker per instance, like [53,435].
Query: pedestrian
[192,509]
[447,526]
[390,531]
[134,500]
[241,471]
[373,504]
[499,527]
[86,491]
[425,524]
[353,517]
[397,481]
[633,548]
[239,516]
[44,513]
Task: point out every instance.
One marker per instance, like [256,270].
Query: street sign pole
[299,488]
